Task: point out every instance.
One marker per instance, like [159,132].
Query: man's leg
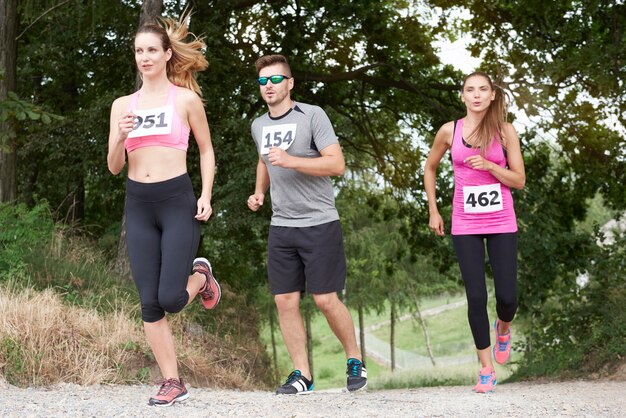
[292,328]
[340,322]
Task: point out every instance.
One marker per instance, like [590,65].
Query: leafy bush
[581,330]
[21,230]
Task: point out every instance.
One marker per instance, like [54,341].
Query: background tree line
[372,66]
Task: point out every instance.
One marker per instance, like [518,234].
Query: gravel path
[576,399]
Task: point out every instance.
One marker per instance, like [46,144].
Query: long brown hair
[492,123]
[187,57]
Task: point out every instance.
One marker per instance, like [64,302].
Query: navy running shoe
[296,384]
[356,374]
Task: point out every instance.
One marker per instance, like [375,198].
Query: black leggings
[470,253]
[162,236]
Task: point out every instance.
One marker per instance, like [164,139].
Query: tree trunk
[274,351]
[392,336]
[420,318]
[8,65]
[122,263]
[76,209]
[150,11]
[309,337]
[362,332]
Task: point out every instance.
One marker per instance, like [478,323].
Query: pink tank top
[161,126]
[481,204]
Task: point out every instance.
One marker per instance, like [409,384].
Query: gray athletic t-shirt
[298,199]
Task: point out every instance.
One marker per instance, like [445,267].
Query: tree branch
[242,4]
[40,16]
[360,74]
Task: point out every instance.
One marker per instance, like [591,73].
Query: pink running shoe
[502,347]
[486,380]
[172,390]
[211,292]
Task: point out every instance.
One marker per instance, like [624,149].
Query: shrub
[581,331]
[21,230]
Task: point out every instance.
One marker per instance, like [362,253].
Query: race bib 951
[157,121]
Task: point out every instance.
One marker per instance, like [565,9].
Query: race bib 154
[277,136]
[482,199]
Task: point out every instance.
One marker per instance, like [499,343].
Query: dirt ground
[593,398]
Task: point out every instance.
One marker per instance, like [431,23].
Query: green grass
[457,375]
[374,317]
[449,334]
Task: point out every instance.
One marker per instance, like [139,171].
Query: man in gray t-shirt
[298,199]
[298,152]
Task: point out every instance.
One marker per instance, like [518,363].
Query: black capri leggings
[162,236]
[470,253]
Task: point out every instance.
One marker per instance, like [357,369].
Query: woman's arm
[200,127]
[443,141]
[120,125]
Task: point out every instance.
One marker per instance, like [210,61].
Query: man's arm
[330,163]
[255,201]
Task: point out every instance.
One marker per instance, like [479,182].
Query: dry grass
[43,341]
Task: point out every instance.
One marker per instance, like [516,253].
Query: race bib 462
[482,199]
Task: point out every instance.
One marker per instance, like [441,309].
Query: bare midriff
[153,164]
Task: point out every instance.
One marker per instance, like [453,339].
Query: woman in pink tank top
[151,128]
[487,162]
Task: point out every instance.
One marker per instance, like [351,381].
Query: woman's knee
[506,306]
[151,312]
[172,303]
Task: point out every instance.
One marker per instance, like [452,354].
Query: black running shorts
[310,259]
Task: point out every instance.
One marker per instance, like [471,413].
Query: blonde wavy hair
[187,55]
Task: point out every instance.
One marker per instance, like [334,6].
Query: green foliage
[585,333]
[21,230]
[382,266]
[12,359]
[47,255]
[13,110]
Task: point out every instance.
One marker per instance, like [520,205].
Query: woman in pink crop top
[163,216]
[487,162]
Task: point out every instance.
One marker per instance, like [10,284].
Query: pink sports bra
[161,126]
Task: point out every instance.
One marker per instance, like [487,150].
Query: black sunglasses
[275,79]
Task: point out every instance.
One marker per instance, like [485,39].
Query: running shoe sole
[486,392]
[179,399]
[210,304]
